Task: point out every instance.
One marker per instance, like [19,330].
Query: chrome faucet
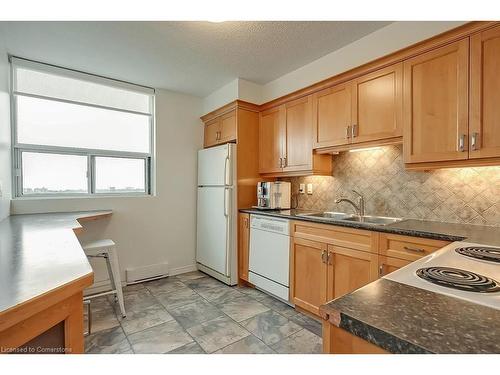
[360,207]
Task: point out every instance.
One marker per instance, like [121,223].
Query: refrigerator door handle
[226,211]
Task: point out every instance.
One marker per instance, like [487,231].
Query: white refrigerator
[216,250]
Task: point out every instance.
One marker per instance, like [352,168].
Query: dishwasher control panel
[270,224]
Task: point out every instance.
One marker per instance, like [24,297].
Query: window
[79,134]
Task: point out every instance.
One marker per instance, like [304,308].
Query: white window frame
[91,154]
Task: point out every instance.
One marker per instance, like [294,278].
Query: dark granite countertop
[403,319]
[486,235]
[39,253]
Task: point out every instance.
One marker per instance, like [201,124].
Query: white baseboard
[104,285]
[183,269]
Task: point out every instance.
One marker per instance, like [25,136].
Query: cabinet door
[435,99]
[378,108]
[308,274]
[212,129]
[332,115]
[243,245]
[485,95]
[349,270]
[386,265]
[227,127]
[271,140]
[298,139]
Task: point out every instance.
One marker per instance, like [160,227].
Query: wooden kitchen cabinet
[407,247]
[435,104]
[386,265]
[349,269]
[308,274]
[211,133]
[484,117]
[329,261]
[243,245]
[285,141]
[364,112]
[338,341]
[220,130]
[271,130]
[378,106]
[297,144]
[332,115]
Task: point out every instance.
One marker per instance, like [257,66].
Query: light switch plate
[309,189]
[302,188]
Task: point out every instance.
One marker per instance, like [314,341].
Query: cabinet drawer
[357,239]
[406,247]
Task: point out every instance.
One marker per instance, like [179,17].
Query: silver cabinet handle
[354,131]
[414,249]
[461,142]
[347,132]
[281,163]
[284,161]
[474,141]
[323,254]
[330,258]
[381,270]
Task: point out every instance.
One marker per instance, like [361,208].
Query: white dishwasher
[269,255]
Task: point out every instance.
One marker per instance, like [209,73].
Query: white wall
[150,230]
[226,94]
[384,41]
[5,153]
[377,44]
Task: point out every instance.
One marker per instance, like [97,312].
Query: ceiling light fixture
[365,149]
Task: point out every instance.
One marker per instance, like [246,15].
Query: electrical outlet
[309,189]
[302,188]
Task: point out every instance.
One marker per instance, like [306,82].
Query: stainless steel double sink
[341,216]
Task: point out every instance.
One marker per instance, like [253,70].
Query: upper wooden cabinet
[435,104]
[221,129]
[378,105]
[332,116]
[271,130]
[365,111]
[484,117]
[285,141]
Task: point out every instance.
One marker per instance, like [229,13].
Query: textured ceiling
[191,57]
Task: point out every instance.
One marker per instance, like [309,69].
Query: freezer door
[215,165]
[213,222]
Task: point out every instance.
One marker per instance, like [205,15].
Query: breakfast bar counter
[43,271]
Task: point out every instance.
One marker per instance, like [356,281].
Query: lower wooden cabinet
[349,270]
[243,245]
[387,265]
[407,247]
[309,274]
[327,262]
[339,341]
[321,271]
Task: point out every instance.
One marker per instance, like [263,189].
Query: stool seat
[106,249]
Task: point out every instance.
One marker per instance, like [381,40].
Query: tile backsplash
[460,195]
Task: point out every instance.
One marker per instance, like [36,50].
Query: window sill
[95,196]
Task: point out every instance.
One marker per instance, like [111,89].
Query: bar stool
[106,249]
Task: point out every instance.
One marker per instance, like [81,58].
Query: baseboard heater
[146,273]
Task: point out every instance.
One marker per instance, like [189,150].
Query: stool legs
[114,274]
